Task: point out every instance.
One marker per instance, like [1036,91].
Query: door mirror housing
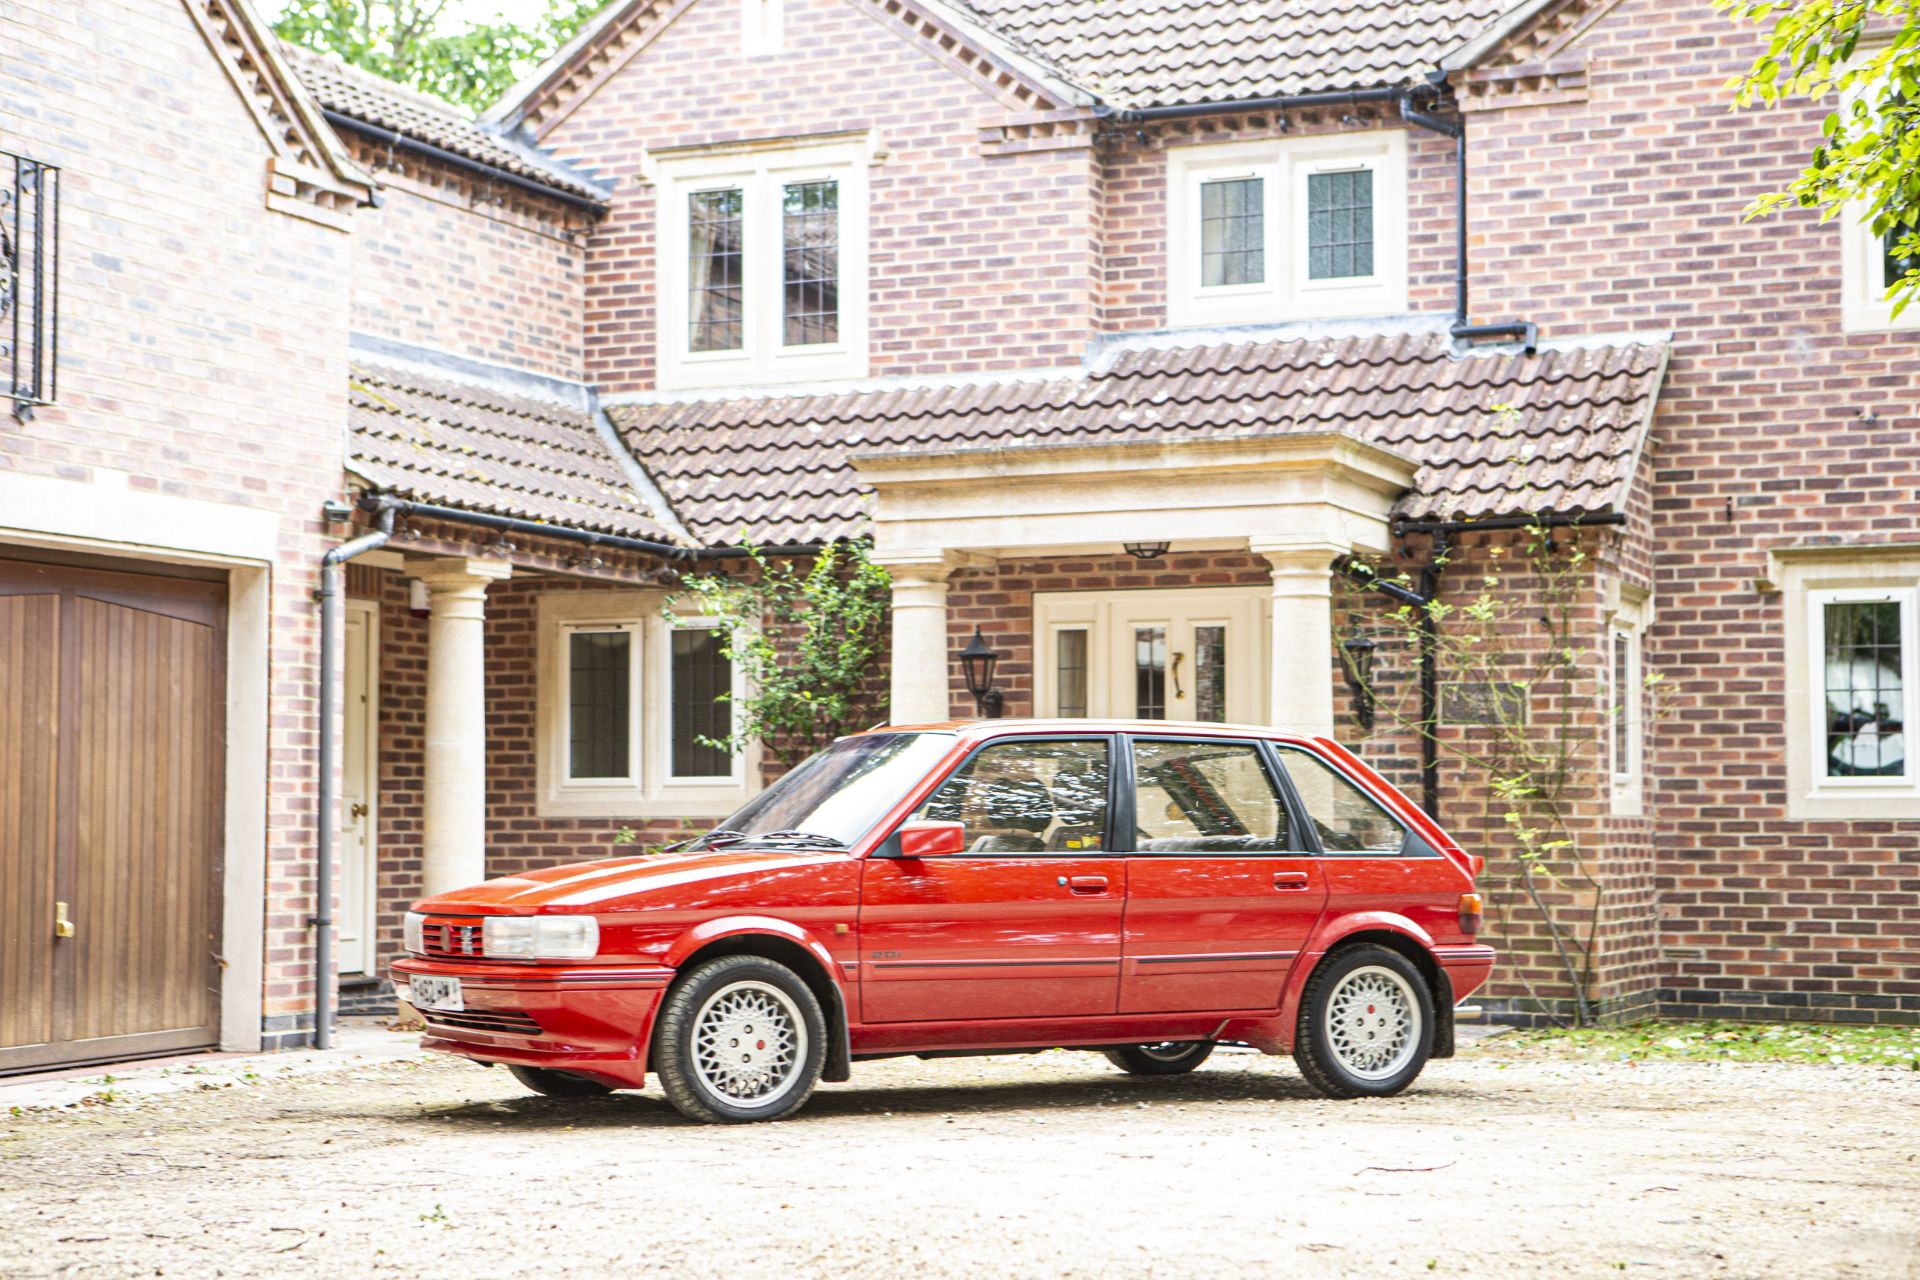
[932,839]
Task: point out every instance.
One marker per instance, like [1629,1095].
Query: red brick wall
[1624,211]
[203,349]
[448,261]
[978,262]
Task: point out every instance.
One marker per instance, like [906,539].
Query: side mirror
[932,839]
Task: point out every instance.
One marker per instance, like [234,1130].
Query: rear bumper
[1467,966]
[590,1019]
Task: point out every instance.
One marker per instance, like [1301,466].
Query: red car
[1144,889]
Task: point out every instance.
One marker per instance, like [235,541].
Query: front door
[112,711]
[1198,654]
[1223,890]
[1026,922]
[359,775]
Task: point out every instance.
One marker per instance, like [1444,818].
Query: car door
[1026,922]
[1222,887]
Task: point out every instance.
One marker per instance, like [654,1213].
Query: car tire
[739,1039]
[559,1084]
[1169,1058]
[1366,1024]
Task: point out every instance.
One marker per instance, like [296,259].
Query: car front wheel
[1366,1024]
[740,1038]
[1168,1058]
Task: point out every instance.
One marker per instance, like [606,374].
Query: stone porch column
[1300,685]
[921,663]
[454,838]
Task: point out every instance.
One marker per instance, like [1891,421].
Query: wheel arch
[1395,934]
[808,959]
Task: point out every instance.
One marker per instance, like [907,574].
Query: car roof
[976,729]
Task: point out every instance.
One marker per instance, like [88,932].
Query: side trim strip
[1240,955]
[992,964]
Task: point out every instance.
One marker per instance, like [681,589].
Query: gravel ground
[1048,1165]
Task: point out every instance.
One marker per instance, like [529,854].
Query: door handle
[356,812]
[62,927]
[1088,884]
[1291,880]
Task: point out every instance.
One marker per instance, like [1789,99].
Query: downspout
[331,585]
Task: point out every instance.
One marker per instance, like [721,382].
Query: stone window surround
[1805,575]
[649,792]
[759,168]
[1284,164]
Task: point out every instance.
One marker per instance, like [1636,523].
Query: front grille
[501,1021]
[455,938]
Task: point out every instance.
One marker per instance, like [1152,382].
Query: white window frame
[1628,788]
[650,790]
[760,170]
[1284,165]
[1817,602]
[1864,305]
[1810,577]
[635,746]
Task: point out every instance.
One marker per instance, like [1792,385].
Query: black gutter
[1427,628]
[331,589]
[535,529]
[1284,102]
[453,159]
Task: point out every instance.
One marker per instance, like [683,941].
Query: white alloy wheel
[749,1044]
[1372,1022]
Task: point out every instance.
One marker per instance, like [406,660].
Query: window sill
[1837,804]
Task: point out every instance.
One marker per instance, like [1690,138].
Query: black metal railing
[30,283]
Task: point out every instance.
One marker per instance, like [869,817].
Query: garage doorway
[112,797]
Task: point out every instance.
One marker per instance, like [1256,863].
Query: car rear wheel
[1165,1058]
[740,1038]
[558,1084]
[1366,1024]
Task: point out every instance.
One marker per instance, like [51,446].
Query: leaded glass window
[1340,224]
[1895,264]
[701,678]
[599,704]
[715,275]
[1232,232]
[1150,673]
[1864,666]
[1070,672]
[1210,673]
[810,243]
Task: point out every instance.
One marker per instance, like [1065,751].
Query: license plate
[436,993]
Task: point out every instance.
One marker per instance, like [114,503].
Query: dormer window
[762,263]
[1287,229]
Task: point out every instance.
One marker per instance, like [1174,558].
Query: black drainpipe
[331,575]
[1427,630]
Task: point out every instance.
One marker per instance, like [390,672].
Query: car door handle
[1088,884]
[1291,880]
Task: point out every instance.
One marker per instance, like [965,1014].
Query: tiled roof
[1140,53]
[452,443]
[363,96]
[778,469]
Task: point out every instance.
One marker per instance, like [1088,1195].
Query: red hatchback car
[1145,889]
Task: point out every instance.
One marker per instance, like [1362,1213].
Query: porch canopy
[1299,449]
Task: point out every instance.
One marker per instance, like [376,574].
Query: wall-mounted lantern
[1146,550]
[1356,653]
[977,660]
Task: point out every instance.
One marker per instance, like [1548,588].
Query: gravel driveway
[1050,1165]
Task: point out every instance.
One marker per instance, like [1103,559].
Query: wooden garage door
[112,701]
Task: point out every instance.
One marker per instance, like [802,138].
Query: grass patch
[1809,1042]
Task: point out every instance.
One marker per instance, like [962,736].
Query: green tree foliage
[805,641]
[408,42]
[1863,56]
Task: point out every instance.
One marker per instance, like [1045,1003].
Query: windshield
[838,793]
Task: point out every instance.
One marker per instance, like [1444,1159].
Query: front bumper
[588,1018]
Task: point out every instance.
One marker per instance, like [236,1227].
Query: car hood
[589,886]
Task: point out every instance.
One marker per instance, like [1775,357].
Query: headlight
[416,939]
[541,937]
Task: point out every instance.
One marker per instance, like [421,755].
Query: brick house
[1007,286]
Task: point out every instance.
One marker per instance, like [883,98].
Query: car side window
[1347,819]
[1019,796]
[1206,797]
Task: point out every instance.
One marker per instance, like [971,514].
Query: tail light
[1469,909]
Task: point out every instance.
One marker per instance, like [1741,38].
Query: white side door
[1198,654]
[359,786]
